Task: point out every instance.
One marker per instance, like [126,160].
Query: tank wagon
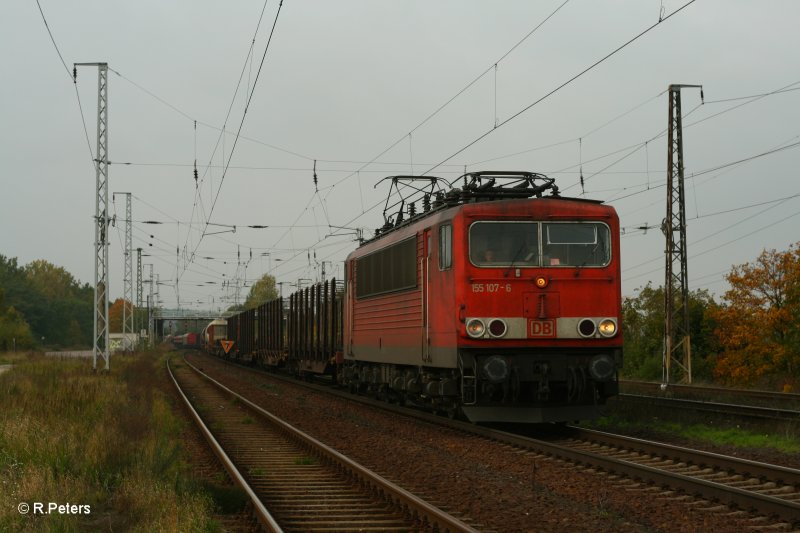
[495,303]
[215,336]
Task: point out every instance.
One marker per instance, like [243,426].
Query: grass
[11,358]
[771,435]
[109,441]
[740,437]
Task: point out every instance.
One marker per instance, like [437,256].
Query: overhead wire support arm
[358,232]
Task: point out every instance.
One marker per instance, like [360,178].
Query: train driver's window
[502,244]
[445,246]
[576,244]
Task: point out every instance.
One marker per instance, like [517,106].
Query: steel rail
[749,411]
[263,515]
[428,513]
[789,476]
[696,391]
[763,504]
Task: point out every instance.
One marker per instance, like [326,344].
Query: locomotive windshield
[536,244]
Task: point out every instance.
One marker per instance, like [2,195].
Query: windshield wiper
[513,260]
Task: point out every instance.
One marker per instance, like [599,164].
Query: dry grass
[110,441]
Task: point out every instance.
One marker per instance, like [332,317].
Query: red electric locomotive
[187,340]
[495,302]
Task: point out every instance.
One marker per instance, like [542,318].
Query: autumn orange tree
[758,326]
[115,314]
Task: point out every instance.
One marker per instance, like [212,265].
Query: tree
[51,281]
[758,328]
[115,312]
[262,291]
[643,326]
[49,300]
[14,331]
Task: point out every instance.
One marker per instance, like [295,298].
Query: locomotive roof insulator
[426,203]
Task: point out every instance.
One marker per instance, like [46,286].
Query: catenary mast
[101,344]
[677,340]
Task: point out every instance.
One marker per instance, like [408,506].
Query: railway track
[714,482]
[753,397]
[767,489]
[296,483]
[703,406]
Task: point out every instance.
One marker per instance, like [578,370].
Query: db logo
[542,328]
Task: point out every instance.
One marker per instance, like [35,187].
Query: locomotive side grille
[393,268]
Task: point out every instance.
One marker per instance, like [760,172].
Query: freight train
[189,340]
[494,303]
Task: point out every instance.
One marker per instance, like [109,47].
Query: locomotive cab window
[445,246]
[535,244]
[576,244]
[494,244]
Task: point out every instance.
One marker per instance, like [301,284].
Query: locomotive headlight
[607,327]
[497,328]
[601,367]
[586,328]
[475,327]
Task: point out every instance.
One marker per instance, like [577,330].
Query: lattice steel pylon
[127,322]
[138,287]
[150,310]
[127,299]
[677,340]
[101,331]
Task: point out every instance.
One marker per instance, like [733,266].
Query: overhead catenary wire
[419,155]
[323,206]
[73,75]
[450,100]
[727,243]
[566,83]
[220,129]
[519,113]
[241,123]
[50,33]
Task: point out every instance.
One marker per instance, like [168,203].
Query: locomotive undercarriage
[495,385]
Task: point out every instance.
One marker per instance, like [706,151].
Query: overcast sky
[350,84]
